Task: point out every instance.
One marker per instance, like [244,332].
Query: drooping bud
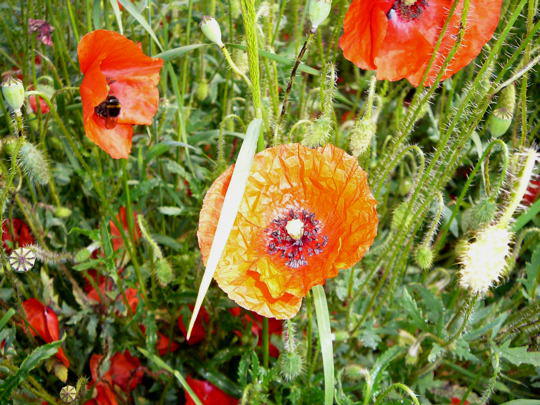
[62,212]
[13,91]
[211,30]
[202,90]
[68,394]
[484,259]
[501,117]
[291,365]
[478,215]
[318,12]
[60,371]
[424,257]
[164,272]
[22,259]
[399,218]
[361,135]
[34,164]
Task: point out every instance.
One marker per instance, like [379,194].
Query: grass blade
[177,52]
[231,204]
[161,364]
[141,20]
[7,316]
[118,15]
[325,337]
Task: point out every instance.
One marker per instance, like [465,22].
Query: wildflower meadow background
[375,242]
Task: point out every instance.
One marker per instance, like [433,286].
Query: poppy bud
[68,394]
[22,260]
[318,12]
[412,353]
[405,187]
[202,90]
[478,215]
[34,164]
[211,30]
[164,272]
[60,371]
[240,58]
[291,365]
[361,135]
[501,117]
[424,257]
[398,219]
[62,212]
[13,91]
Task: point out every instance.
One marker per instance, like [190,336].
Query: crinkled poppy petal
[165,345]
[208,393]
[364,31]
[116,141]
[198,333]
[482,20]
[136,109]
[35,315]
[95,361]
[126,371]
[325,182]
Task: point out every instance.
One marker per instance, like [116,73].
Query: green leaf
[230,207]
[117,15]
[520,355]
[523,402]
[161,364]
[281,59]
[33,360]
[409,304]
[180,51]
[141,20]
[527,216]
[7,316]
[325,337]
[172,211]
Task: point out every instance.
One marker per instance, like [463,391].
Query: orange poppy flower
[306,214]
[119,89]
[397,37]
[44,322]
[116,235]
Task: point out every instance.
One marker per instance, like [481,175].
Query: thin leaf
[325,337]
[177,52]
[281,59]
[118,15]
[523,402]
[161,364]
[32,361]
[7,316]
[231,204]
[141,20]
[527,216]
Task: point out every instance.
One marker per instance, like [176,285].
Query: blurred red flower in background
[117,240]
[43,106]
[199,328]
[119,89]
[15,233]
[397,37]
[275,327]
[105,395]
[44,30]
[457,401]
[44,323]
[208,393]
[125,371]
[532,193]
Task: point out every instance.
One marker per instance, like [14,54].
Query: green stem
[265,343]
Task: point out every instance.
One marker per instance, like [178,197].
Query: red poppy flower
[104,284]
[198,332]
[43,106]
[208,393]
[119,89]
[117,240]
[125,371]
[397,37]
[15,233]
[105,395]
[305,215]
[164,345]
[44,323]
[44,30]
[457,401]
[532,193]
[275,327]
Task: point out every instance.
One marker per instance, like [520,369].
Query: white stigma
[295,228]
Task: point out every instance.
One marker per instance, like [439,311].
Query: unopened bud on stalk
[13,91]
[34,164]
[424,257]
[62,212]
[501,117]
[478,215]
[202,90]
[318,12]
[210,28]
[291,365]
[361,135]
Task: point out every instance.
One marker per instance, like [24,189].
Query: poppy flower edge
[323,193]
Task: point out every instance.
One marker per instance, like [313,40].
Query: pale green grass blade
[7,316]
[231,204]
[325,337]
[177,52]
[161,364]
[117,14]
[141,20]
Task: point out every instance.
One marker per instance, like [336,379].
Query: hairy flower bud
[424,257]
[501,117]
[62,212]
[318,12]
[13,91]
[211,30]
[483,260]
[34,164]
[202,90]
[291,365]
[478,215]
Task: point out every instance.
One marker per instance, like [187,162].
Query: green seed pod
[202,90]
[291,365]
[501,117]
[68,394]
[478,215]
[34,164]
[13,91]
[424,257]
[22,260]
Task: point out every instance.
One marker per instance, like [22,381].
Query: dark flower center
[408,10]
[295,236]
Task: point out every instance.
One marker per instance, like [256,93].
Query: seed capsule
[22,260]
[13,91]
[68,394]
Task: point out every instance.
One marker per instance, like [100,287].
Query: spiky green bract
[424,257]
[32,161]
[478,215]
[361,135]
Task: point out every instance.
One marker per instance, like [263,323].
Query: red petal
[198,332]
[35,315]
[208,393]
[126,371]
